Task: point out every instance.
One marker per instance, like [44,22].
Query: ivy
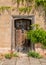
[22,1]
[18,2]
[25,9]
[41,2]
[37,2]
[29,9]
[2,8]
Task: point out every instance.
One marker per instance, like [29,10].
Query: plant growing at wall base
[34,54]
[8,56]
[15,55]
[37,35]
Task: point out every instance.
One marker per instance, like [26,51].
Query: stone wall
[5,22]
[5,30]
[5,2]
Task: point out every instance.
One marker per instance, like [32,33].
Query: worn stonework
[6,22]
[5,30]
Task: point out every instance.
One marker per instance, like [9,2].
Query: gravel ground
[23,61]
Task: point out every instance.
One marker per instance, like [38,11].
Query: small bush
[43,47]
[15,55]
[34,54]
[37,35]
[8,56]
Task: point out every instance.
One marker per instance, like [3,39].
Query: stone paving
[23,61]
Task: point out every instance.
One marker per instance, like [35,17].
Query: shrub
[43,47]
[15,55]
[8,56]
[34,54]
[37,35]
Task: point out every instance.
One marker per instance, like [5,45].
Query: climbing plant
[29,2]
[22,2]
[18,2]
[42,3]
[3,8]
[25,9]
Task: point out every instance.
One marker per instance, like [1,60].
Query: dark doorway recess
[20,26]
[22,44]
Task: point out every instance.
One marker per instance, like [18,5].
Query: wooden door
[22,26]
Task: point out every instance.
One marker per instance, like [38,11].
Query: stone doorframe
[30,17]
